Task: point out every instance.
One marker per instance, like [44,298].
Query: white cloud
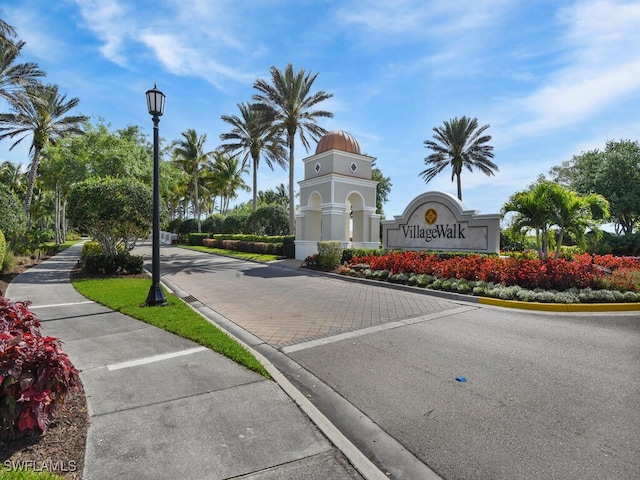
[601,42]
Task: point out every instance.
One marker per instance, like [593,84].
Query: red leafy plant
[553,274]
[35,373]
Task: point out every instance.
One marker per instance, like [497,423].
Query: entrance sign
[439,221]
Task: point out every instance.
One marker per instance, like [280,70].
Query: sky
[552,78]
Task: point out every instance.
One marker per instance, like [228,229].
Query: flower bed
[585,279]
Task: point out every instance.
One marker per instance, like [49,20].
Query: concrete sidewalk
[162,407]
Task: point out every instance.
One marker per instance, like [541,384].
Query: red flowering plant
[35,373]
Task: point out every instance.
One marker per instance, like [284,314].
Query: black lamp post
[155,105]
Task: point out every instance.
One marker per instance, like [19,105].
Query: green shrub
[13,221]
[269,220]
[174,225]
[330,253]
[235,223]
[187,226]
[8,262]
[3,248]
[123,263]
[213,224]
[91,248]
[289,246]
[196,238]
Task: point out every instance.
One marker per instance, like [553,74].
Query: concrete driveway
[545,395]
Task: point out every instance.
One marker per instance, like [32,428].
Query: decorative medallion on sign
[431,216]
[317,168]
[353,167]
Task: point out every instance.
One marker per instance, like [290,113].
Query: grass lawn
[127,295]
[258,257]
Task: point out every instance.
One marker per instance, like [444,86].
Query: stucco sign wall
[439,221]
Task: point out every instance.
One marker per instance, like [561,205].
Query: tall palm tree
[252,136]
[40,112]
[226,178]
[190,156]
[460,143]
[288,102]
[15,76]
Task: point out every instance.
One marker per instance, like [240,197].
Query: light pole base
[156,297]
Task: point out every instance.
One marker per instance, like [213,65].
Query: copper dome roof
[338,140]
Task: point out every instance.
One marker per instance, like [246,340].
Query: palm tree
[40,113]
[289,105]
[226,178]
[533,209]
[460,143]
[190,156]
[15,76]
[574,214]
[252,136]
[12,176]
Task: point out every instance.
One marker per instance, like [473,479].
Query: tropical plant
[574,214]
[289,105]
[39,112]
[459,144]
[533,209]
[547,204]
[14,76]
[383,189]
[251,137]
[189,154]
[226,178]
[12,176]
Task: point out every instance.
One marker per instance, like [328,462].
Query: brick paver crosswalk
[283,306]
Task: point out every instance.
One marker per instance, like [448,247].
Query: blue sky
[552,78]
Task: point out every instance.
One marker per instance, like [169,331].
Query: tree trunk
[33,174]
[255,184]
[292,224]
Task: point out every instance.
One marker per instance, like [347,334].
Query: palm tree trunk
[196,200]
[459,182]
[292,225]
[33,173]
[255,184]
[57,215]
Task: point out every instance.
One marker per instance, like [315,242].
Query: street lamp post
[155,105]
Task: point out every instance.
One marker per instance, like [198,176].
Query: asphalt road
[545,396]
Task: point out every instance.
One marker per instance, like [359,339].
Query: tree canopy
[460,143]
[112,210]
[613,173]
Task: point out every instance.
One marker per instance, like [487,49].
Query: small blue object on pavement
[461,379]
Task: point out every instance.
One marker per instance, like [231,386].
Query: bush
[196,238]
[330,253]
[3,249]
[174,225]
[270,220]
[35,374]
[187,226]
[289,246]
[213,224]
[123,263]
[235,223]
[13,221]
[91,248]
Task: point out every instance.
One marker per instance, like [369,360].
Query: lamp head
[155,101]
